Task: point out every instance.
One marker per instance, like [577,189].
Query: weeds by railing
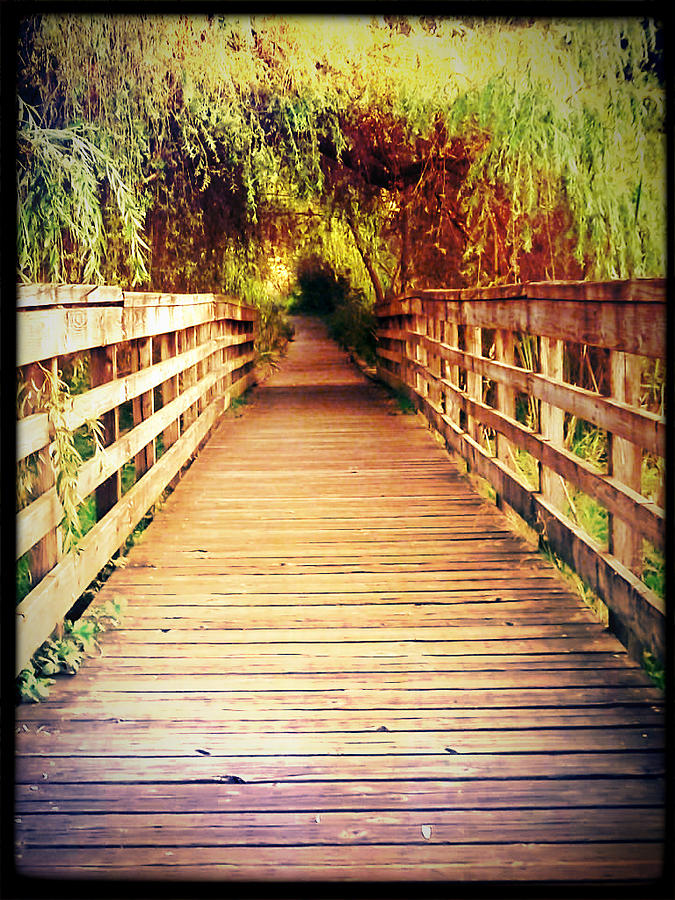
[575,445]
[153,372]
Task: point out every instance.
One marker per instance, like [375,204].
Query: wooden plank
[304,767]
[639,425]
[36,520]
[159,298]
[156,742]
[641,290]
[179,639]
[162,703]
[633,328]
[257,662]
[366,681]
[474,382]
[335,828]
[42,334]
[35,295]
[235,311]
[337,615]
[32,434]
[459,862]
[45,722]
[495,793]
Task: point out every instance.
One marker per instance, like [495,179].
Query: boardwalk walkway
[339,663]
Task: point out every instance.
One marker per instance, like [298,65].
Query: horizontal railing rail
[167,365]
[453,352]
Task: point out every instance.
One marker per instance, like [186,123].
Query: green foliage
[404,403]
[65,651]
[587,441]
[60,176]
[31,686]
[654,669]
[654,569]
[274,332]
[319,288]
[23,577]
[528,466]
[589,597]
[53,397]
[352,324]
[401,148]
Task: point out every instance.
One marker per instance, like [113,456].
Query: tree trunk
[368,263]
[405,250]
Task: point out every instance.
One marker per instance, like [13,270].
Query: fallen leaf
[426,832]
[203,752]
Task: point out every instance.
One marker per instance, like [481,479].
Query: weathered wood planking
[338,663]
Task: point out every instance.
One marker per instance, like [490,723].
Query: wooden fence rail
[445,349]
[176,359]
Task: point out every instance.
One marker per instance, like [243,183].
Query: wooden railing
[447,350]
[170,364]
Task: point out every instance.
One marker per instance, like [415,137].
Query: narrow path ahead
[339,663]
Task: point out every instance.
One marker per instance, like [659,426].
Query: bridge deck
[338,662]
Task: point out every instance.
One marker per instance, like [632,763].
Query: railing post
[551,419]
[410,348]
[102,369]
[167,348]
[192,373]
[434,325]
[45,554]
[419,327]
[144,405]
[625,459]
[201,337]
[474,383]
[506,396]
[450,337]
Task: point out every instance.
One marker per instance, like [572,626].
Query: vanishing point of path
[338,662]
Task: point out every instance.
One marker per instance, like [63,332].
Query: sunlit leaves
[59,176]
[517,144]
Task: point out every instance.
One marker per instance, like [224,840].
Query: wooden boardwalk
[338,662]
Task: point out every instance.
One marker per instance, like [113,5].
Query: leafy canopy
[210,152]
